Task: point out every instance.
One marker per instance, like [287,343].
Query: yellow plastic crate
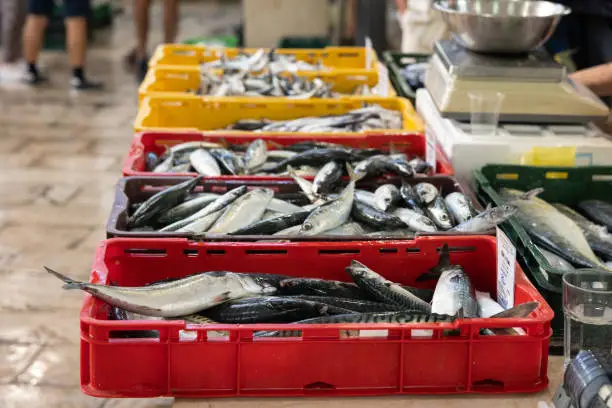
[197,113]
[350,58]
[171,80]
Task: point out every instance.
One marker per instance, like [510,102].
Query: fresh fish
[355,305]
[188,147]
[487,307]
[151,161]
[403,233]
[347,229]
[411,198]
[381,163]
[384,290]
[522,310]
[280,154]
[454,294]
[555,261]
[187,208]
[219,203]
[460,207]
[375,218]
[177,298]
[244,211]
[256,155]
[165,165]
[273,225]
[366,197]
[598,211]
[424,294]
[268,309]
[427,192]
[414,220]
[161,202]
[420,166]
[386,196]
[306,186]
[331,214]
[291,231]
[551,229]
[201,224]
[596,235]
[326,178]
[488,219]
[439,214]
[283,206]
[321,287]
[204,163]
[231,163]
[181,168]
[318,156]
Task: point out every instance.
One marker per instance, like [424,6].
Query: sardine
[438,213]
[318,156]
[326,178]
[321,287]
[551,229]
[411,198]
[161,202]
[244,211]
[204,163]
[375,218]
[347,229]
[334,213]
[177,298]
[272,225]
[460,207]
[187,208]
[414,220]
[488,219]
[427,192]
[256,155]
[231,163]
[306,186]
[384,290]
[201,224]
[283,206]
[386,196]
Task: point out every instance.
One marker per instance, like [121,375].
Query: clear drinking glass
[484,109]
[587,306]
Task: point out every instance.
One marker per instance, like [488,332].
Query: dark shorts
[72,8]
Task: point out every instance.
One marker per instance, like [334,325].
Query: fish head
[497,215]
[426,192]
[357,269]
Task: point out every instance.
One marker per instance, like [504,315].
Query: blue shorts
[72,8]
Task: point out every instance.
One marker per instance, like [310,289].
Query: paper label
[430,147]
[506,262]
[382,88]
[369,52]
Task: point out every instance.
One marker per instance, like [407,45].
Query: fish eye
[443,217]
[307,226]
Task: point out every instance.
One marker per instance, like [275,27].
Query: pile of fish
[371,117]
[388,211]
[261,61]
[243,298]
[306,158]
[259,85]
[567,238]
[414,74]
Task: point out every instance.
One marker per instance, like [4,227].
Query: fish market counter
[555,369]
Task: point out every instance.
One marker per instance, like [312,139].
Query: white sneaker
[11,72]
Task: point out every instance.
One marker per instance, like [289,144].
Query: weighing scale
[536,88]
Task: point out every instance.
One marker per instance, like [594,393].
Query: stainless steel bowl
[501,26]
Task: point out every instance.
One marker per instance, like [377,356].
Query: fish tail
[69,283]
[435,272]
[352,175]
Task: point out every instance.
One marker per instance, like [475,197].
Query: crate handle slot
[557,175]
[177,75]
[338,251]
[601,177]
[172,103]
[146,251]
[133,334]
[488,384]
[190,252]
[413,250]
[388,250]
[319,385]
[459,249]
[266,252]
[507,176]
[215,251]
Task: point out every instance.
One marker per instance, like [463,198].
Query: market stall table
[555,368]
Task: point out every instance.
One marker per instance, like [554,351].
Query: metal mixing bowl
[501,26]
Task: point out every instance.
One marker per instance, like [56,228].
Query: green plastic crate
[230,41]
[395,62]
[566,185]
[304,42]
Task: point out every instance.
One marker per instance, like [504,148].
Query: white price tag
[430,147]
[369,52]
[506,262]
[382,88]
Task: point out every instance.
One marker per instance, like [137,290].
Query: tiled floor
[60,156]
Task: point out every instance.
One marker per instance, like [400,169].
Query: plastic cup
[484,109]
[587,306]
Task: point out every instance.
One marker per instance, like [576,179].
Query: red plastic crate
[320,362]
[143,143]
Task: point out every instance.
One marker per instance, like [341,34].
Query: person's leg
[33,35]
[141,23]
[13,18]
[77,12]
[171,19]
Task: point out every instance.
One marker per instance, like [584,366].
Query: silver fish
[204,163]
[256,155]
[177,298]
[551,229]
[427,192]
[555,261]
[334,213]
[487,307]
[349,228]
[386,196]
[165,165]
[460,207]
[291,231]
[438,213]
[488,219]
[326,178]
[414,220]
[384,290]
[365,196]
[282,206]
[202,224]
[304,184]
[244,211]
[187,208]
